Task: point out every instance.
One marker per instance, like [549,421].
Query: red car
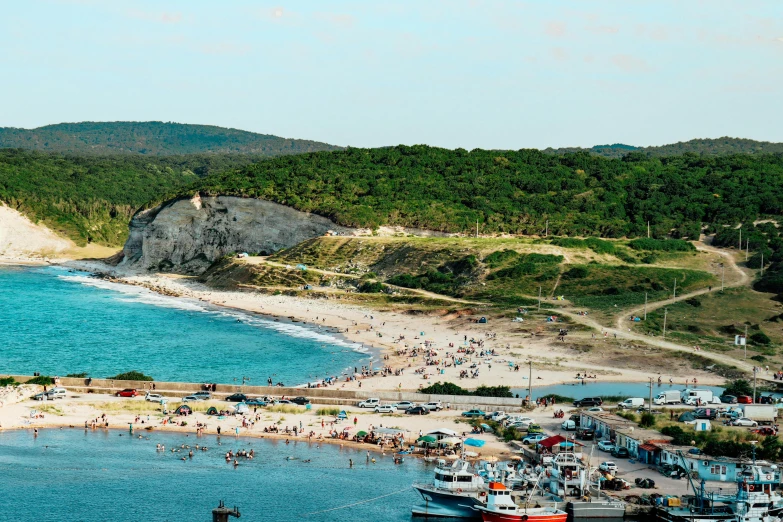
[744,399]
[127,393]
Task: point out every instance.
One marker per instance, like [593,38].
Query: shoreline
[371,329]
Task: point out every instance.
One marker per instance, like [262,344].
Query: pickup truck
[496,416]
[369,403]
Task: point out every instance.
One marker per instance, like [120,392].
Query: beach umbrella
[450,441]
[490,459]
[427,438]
[474,442]
[361,434]
[470,454]
[515,457]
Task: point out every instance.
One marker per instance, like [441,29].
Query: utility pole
[648,229]
[651,388]
[722,275]
[745,344]
[665,312]
[747,248]
[476,227]
[754,384]
[530,381]
[539,297]
[740,243]
[675,288]
[546,230]
[645,306]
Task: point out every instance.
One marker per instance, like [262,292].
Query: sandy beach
[553,362]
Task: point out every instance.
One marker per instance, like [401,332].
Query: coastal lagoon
[57,321]
[71,474]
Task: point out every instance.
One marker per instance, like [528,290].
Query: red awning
[552,441]
[649,447]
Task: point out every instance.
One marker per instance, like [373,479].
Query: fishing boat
[756,499]
[500,507]
[571,478]
[453,493]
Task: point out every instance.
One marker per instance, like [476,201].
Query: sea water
[57,321]
[79,475]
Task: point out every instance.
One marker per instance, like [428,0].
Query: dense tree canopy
[152,138]
[518,191]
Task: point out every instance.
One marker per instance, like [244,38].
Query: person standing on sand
[355,421]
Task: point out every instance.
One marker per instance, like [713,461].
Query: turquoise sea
[55,321]
[73,475]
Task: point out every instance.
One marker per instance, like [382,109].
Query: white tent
[441,433]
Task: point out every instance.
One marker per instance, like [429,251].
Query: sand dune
[23,240]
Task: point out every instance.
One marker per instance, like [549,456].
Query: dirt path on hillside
[418,291]
[740,279]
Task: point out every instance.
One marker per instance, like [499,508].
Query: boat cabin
[499,498]
[456,476]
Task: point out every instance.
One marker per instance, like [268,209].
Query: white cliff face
[188,235]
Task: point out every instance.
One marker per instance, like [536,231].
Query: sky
[457,73]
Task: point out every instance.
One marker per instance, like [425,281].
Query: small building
[722,469]
[641,443]
[442,433]
[604,423]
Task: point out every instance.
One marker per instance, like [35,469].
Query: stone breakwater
[188,235]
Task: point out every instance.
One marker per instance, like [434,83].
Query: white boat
[454,491]
[501,507]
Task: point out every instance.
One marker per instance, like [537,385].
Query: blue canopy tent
[474,442]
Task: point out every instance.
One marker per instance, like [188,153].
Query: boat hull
[685,515]
[447,504]
[598,509]
[492,516]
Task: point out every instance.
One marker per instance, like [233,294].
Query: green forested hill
[516,192]
[706,147]
[93,198]
[151,138]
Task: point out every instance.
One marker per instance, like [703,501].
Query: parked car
[153,397]
[766,399]
[282,402]
[437,406]
[417,410]
[369,403]
[385,408]
[203,395]
[56,393]
[534,428]
[404,405]
[744,421]
[190,398]
[256,402]
[745,399]
[532,439]
[620,453]
[705,413]
[588,401]
[606,445]
[301,401]
[496,416]
[568,425]
[596,408]
[515,419]
[237,397]
[609,466]
[522,425]
[630,403]
[127,392]
[473,413]
[41,396]
[728,399]
[585,434]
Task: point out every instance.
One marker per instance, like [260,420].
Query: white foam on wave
[137,294]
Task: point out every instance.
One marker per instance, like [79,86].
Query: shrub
[372,287]
[577,272]
[693,302]
[647,420]
[662,245]
[738,387]
[41,380]
[760,338]
[328,412]
[449,388]
[500,257]
[759,358]
[131,376]
[82,375]
[7,381]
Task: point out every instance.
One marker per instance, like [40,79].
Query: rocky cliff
[188,235]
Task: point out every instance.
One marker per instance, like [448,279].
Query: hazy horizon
[470,74]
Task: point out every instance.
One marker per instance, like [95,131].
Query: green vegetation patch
[448,388]
[662,245]
[131,376]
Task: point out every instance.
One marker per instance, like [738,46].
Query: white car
[517,418]
[404,405]
[369,403]
[568,425]
[605,445]
[611,467]
[433,406]
[523,424]
[744,421]
[153,397]
[190,398]
[385,408]
[596,408]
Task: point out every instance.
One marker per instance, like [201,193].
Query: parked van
[56,393]
[633,402]
[695,395]
[668,397]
